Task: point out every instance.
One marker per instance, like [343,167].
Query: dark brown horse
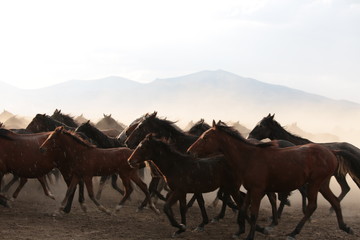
[86,161]
[262,168]
[20,155]
[269,128]
[64,118]
[185,174]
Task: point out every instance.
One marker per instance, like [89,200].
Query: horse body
[264,169]
[185,174]
[85,161]
[269,128]
[20,155]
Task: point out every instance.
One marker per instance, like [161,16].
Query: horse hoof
[290,238]
[349,230]
[181,230]
[199,229]
[215,220]
[235,236]
[12,199]
[118,207]
[51,196]
[267,230]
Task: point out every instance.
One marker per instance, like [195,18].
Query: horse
[109,123]
[264,168]
[86,161]
[181,140]
[198,128]
[185,174]
[64,118]
[44,123]
[19,155]
[269,128]
[101,140]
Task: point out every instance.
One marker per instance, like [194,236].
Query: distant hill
[218,95]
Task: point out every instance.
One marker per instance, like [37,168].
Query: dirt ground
[31,218]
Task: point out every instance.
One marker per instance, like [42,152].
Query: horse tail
[348,163]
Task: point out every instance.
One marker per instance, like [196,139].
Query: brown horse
[20,155]
[185,174]
[261,169]
[86,161]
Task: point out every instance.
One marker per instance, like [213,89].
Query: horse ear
[272,117]
[109,115]
[214,123]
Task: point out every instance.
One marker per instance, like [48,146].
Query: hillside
[207,94]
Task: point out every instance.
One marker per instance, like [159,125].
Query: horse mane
[66,118]
[281,130]
[168,125]
[78,139]
[235,134]
[6,134]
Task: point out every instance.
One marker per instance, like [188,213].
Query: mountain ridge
[207,94]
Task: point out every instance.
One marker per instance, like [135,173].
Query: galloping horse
[20,155]
[185,174]
[269,128]
[262,168]
[45,123]
[166,129]
[86,161]
[101,140]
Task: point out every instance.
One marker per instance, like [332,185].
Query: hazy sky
[309,45]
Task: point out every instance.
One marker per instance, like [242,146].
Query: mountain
[207,94]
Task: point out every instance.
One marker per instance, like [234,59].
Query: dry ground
[31,218]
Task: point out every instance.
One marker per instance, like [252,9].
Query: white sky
[312,45]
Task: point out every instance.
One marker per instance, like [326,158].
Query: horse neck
[236,152]
[182,141]
[281,133]
[166,159]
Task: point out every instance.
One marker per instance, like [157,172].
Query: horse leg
[183,208]
[303,191]
[191,201]
[128,191]
[225,199]
[242,214]
[70,192]
[137,180]
[205,218]
[312,193]
[90,190]
[114,184]
[153,185]
[335,204]
[172,198]
[256,197]
[272,200]
[18,189]
[101,186]
[81,196]
[345,188]
[9,184]
[44,185]
[283,200]
[4,201]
